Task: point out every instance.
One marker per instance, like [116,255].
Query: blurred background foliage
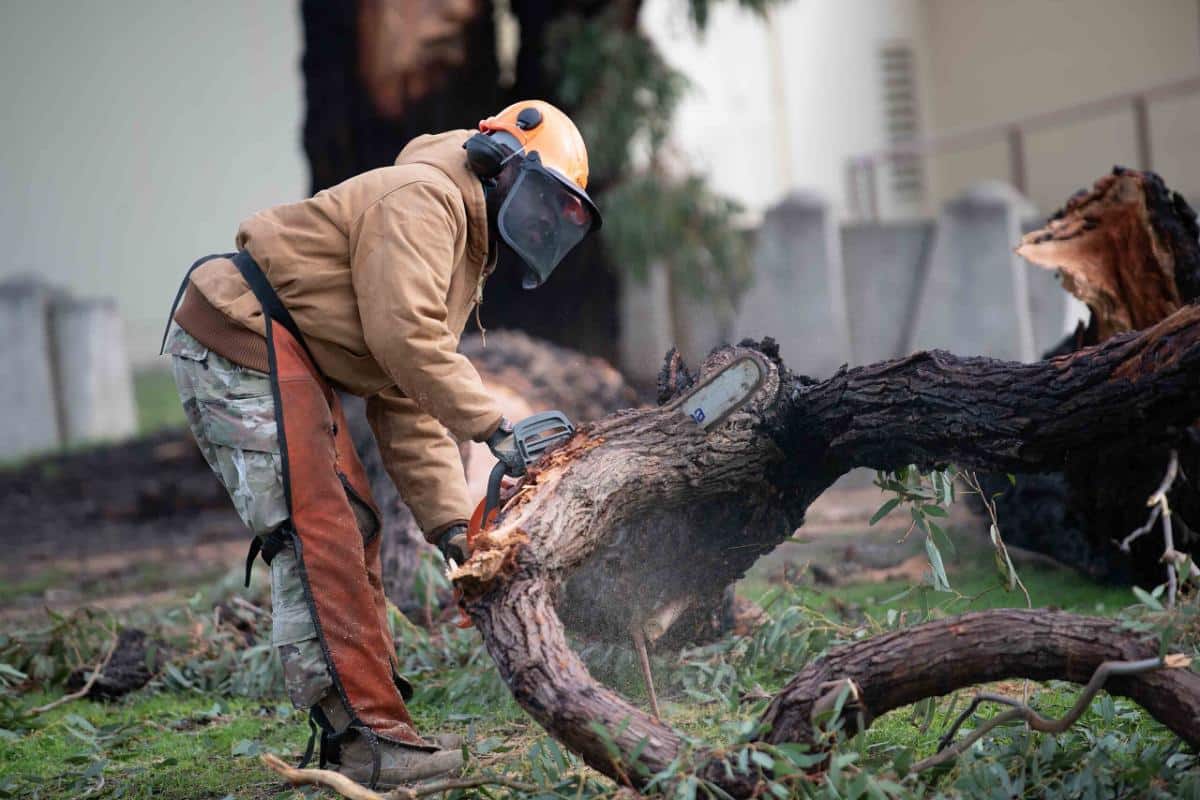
[656,211]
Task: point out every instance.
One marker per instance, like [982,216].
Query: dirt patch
[135,518]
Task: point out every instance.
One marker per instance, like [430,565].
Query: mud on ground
[122,525]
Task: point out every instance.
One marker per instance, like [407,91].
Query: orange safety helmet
[540,127]
[547,210]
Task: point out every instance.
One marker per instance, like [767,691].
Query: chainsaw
[708,403]
[531,437]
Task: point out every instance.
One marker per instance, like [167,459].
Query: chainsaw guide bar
[723,393]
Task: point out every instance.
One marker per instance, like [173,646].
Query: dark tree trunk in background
[1128,248]
[379,72]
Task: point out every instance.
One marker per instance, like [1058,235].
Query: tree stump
[1128,249]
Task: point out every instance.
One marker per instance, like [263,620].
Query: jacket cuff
[489,430]
[435,534]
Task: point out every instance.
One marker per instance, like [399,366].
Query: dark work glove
[453,544]
[504,448]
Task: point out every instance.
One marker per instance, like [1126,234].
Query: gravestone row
[65,371]
[862,292]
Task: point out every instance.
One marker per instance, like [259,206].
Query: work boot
[399,764]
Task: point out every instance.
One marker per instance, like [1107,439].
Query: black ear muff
[485,156]
[529,118]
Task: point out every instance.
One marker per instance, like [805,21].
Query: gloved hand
[504,448]
[453,544]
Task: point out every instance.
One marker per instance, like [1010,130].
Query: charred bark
[1128,248]
[377,73]
[743,487]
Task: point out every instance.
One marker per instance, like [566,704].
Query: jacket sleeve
[402,255]
[422,460]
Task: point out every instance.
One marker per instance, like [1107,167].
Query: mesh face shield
[543,218]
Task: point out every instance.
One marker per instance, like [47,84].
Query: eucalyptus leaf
[884,510]
[940,582]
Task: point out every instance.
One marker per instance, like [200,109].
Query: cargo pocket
[182,344]
[245,445]
[294,634]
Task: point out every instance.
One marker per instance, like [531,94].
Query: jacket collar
[444,151]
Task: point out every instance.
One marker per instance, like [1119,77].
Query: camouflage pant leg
[231,412]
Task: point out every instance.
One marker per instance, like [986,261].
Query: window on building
[901,119]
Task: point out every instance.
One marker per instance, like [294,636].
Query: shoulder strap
[272,306]
[179,294]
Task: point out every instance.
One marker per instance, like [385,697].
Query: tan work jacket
[381,273]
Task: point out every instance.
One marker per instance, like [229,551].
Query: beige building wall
[137,135]
[779,105]
[992,61]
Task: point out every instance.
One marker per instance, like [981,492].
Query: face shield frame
[544,216]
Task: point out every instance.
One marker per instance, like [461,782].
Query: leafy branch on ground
[216,703]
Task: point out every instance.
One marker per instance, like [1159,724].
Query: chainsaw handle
[492,499]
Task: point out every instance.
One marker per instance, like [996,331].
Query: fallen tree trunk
[526,375]
[742,487]
[1128,249]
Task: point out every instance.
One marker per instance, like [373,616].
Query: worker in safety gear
[366,287]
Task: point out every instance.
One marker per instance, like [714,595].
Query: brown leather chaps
[341,573]
[339,563]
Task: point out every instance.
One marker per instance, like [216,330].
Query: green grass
[978,582]
[195,731]
[31,586]
[153,745]
[157,400]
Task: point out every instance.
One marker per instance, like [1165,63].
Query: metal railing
[862,170]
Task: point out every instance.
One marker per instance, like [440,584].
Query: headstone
[28,410]
[885,266]
[798,293]
[94,379]
[646,336]
[979,295]
[701,323]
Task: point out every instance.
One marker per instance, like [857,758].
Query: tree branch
[937,408]
[82,692]
[947,752]
[356,791]
[935,658]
